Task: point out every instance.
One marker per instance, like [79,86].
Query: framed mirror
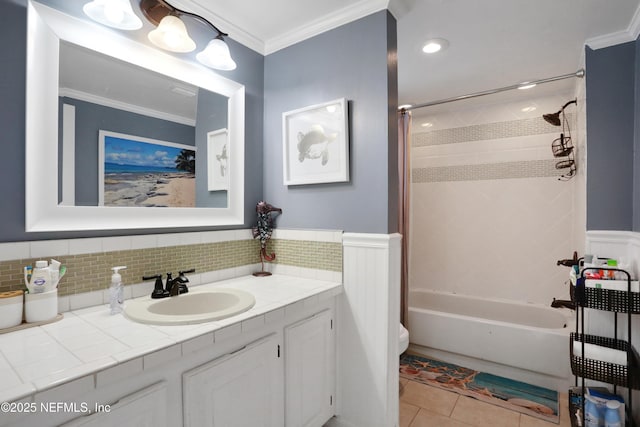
[66,184]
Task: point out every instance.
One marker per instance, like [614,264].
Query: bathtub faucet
[557,303]
[569,262]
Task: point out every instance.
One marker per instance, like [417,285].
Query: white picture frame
[315,144]
[146,167]
[218,159]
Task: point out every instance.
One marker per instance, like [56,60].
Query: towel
[597,352]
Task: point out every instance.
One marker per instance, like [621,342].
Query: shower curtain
[404,180]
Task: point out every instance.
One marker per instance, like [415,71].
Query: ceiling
[93,77]
[499,43]
[493,43]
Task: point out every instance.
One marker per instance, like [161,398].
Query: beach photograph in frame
[218,160]
[315,144]
[145,172]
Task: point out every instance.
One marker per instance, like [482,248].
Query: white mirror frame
[46,27]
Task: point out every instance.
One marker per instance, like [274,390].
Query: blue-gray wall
[12,119]
[250,72]
[355,61]
[636,144]
[611,107]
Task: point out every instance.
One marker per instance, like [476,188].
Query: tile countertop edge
[305,290]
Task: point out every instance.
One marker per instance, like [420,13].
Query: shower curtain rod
[579,74]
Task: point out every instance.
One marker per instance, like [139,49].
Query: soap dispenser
[116,297]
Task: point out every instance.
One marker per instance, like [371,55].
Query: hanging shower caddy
[562,147]
[619,375]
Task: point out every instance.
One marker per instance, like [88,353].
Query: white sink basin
[193,307]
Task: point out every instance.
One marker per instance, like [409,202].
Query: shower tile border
[487,131]
[488,171]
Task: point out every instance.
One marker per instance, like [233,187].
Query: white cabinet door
[145,408]
[241,389]
[309,371]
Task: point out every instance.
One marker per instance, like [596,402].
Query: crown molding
[624,36]
[236,33]
[325,23]
[112,103]
[399,8]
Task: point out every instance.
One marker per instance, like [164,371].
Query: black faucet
[174,286]
[178,285]
[158,290]
[556,303]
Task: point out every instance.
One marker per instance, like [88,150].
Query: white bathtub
[522,336]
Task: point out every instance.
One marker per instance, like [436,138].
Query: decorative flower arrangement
[263,231]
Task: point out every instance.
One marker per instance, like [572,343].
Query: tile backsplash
[485,131]
[89,261]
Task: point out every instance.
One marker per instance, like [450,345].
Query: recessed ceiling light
[529,109]
[404,106]
[426,125]
[435,45]
[526,85]
[183,91]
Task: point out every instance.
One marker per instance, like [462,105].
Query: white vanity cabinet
[309,371]
[139,409]
[272,370]
[268,383]
[240,389]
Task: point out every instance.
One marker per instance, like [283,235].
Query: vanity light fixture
[216,55]
[404,106]
[113,13]
[171,32]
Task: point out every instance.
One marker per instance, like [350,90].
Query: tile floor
[425,406]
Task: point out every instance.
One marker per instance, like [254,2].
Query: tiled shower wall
[489,215]
[228,253]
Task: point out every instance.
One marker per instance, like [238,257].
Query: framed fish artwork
[315,146]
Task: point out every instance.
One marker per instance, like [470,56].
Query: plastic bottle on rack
[592,415]
[612,414]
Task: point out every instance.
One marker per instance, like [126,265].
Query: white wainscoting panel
[369,315]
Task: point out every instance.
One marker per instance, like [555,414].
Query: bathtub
[498,336]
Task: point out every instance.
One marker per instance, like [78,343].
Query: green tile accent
[507,170]
[92,272]
[307,254]
[481,132]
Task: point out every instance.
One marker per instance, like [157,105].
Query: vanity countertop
[91,340]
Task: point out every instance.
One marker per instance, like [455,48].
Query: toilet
[403,339]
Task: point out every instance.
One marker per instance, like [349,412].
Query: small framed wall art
[218,160]
[315,144]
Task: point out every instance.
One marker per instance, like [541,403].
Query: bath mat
[517,396]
